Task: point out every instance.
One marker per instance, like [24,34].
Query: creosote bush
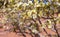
[27,15]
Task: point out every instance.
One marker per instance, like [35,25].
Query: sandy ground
[12,34]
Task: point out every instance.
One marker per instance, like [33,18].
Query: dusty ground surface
[4,33]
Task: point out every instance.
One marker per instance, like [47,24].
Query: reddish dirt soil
[12,34]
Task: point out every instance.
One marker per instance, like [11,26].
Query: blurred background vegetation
[26,14]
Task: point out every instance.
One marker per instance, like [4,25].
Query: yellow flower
[29,13]
[49,26]
[40,14]
[34,11]
[58,15]
[42,4]
[49,21]
[38,5]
